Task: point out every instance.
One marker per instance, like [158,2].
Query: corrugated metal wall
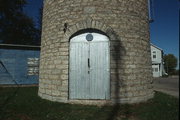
[14,67]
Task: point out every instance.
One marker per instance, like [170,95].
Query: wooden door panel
[79,78]
[89,68]
[99,71]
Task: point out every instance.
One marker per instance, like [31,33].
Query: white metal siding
[157,63]
[156,73]
[158,52]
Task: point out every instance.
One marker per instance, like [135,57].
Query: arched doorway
[89,67]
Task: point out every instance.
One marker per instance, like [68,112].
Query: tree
[40,18]
[40,24]
[170,62]
[15,26]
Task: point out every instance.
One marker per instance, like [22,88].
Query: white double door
[89,76]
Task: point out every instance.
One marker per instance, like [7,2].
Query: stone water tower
[95,52]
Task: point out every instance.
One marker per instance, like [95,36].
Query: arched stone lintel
[89,23]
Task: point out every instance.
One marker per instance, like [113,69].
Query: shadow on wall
[117,51]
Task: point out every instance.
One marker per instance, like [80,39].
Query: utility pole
[167,67]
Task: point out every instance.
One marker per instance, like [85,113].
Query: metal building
[19,64]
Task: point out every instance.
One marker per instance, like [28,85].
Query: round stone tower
[95,52]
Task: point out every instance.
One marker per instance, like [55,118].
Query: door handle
[88,63]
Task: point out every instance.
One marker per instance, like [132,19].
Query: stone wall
[124,21]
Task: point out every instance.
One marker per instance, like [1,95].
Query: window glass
[154,56]
[156,69]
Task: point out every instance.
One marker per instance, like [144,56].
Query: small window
[154,54]
[33,66]
[156,70]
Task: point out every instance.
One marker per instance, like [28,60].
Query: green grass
[24,104]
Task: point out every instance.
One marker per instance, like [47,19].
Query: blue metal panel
[15,62]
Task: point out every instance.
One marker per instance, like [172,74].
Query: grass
[24,104]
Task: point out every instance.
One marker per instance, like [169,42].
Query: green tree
[39,29]
[15,26]
[170,62]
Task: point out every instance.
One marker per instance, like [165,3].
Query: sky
[164,31]
[32,9]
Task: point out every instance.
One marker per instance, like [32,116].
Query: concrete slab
[168,85]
